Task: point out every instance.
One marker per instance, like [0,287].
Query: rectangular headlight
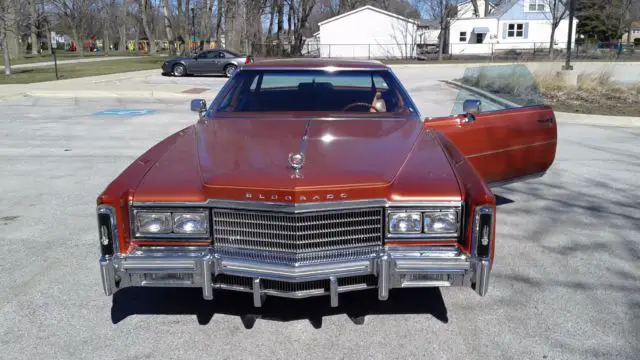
[168,223]
[190,223]
[440,222]
[427,222]
[152,223]
[405,223]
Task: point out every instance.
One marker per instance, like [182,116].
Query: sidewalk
[139,84]
[74,61]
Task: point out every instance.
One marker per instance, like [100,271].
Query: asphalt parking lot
[564,286]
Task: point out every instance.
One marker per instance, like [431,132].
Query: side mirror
[199,106]
[470,108]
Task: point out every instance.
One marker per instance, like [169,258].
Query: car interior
[312,96]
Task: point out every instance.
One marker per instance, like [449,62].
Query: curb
[600,120]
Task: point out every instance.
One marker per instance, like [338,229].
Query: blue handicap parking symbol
[124,112]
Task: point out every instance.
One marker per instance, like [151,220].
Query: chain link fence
[512,51]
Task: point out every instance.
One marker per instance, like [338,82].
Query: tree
[219,12]
[604,20]
[558,11]
[9,32]
[74,15]
[33,31]
[145,10]
[444,12]
[167,26]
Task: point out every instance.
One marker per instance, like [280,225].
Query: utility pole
[572,6]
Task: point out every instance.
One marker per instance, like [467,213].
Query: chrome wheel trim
[179,70]
[229,70]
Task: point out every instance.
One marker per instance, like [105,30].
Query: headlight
[171,224]
[190,223]
[405,223]
[149,223]
[444,222]
[427,222]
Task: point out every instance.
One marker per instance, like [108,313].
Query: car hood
[247,159]
[254,153]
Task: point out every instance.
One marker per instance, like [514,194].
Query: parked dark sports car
[214,61]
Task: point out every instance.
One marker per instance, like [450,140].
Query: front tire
[179,70]
[229,70]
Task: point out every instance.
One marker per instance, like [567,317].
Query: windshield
[370,91]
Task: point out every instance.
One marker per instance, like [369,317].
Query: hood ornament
[296,160]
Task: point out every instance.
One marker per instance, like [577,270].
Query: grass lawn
[69,71]
[61,55]
[595,94]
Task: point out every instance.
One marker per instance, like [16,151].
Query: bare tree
[219,12]
[74,15]
[145,10]
[7,18]
[476,8]
[444,12]
[300,10]
[168,27]
[558,11]
[9,32]
[33,31]
[272,14]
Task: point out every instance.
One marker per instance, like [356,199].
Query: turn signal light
[106,236]
[483,230]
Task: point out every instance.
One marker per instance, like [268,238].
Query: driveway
[564,286]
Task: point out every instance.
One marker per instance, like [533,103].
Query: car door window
[221,55]
[211,55]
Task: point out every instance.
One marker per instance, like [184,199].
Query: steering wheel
[360,104]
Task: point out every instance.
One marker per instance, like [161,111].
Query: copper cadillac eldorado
[318,177]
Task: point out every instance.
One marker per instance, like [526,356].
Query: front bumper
[204,268]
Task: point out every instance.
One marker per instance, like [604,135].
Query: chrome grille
[305,237]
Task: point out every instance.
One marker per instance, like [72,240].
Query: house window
[515,30]
[635,31]
[536,5]
[463,36]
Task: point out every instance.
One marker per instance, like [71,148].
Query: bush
[636,42]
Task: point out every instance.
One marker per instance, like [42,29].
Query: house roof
[503,8]
[367,7]
[428,22]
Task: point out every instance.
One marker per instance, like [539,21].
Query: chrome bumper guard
[202,267]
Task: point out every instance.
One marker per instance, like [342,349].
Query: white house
[516,24]
[368,32]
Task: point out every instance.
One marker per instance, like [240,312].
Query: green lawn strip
[70,71]
[61,56]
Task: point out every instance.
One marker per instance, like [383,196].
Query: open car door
[504,146]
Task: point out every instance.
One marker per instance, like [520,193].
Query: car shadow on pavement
[356,305]
[197,76]
[501,200]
